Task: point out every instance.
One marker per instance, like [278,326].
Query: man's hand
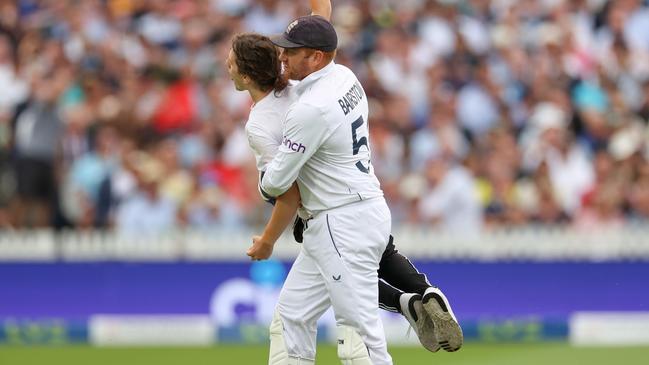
[260,249]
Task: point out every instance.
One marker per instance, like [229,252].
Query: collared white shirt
[325,143]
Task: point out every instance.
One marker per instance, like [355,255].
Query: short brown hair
[328,56]
[257,58]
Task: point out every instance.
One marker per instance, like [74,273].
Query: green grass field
[472,353]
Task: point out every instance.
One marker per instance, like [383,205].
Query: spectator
[547,210]
[477,106]
[605,211]
[441,137]
[450,201]
[13,89]
[639,195]
[539,105]
[37,130]
[202,210]
[87,192]
[176,183]
[147,212]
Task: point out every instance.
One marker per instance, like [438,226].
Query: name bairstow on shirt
[351,98]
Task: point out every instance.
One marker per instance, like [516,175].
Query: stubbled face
[233,70]
[297,62]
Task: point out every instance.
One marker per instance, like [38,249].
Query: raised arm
[321,7]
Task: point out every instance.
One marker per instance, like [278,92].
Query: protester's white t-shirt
[264,126]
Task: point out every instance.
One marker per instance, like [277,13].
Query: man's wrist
[266,241]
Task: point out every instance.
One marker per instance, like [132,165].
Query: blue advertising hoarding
[50,302]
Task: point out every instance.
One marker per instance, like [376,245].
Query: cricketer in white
[254,66]
[325,148]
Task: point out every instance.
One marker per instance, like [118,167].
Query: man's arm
[322,8]
[283,212]
[304,131]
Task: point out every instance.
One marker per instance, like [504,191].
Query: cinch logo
[294,146]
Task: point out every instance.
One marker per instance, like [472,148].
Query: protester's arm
[283,212]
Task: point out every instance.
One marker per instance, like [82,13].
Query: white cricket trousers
[337,266]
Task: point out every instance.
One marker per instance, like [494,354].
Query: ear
[245,79]
[318,57]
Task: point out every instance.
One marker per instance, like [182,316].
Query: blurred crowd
[483,113]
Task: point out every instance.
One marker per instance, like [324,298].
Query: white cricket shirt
[264,126]
[325,143]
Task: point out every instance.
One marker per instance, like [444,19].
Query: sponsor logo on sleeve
[294,146]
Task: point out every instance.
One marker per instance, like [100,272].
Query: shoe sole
[448,331]
[426,329]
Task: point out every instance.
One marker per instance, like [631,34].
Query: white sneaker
[414,312]
[447,330]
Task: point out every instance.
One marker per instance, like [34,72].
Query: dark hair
[258,58]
